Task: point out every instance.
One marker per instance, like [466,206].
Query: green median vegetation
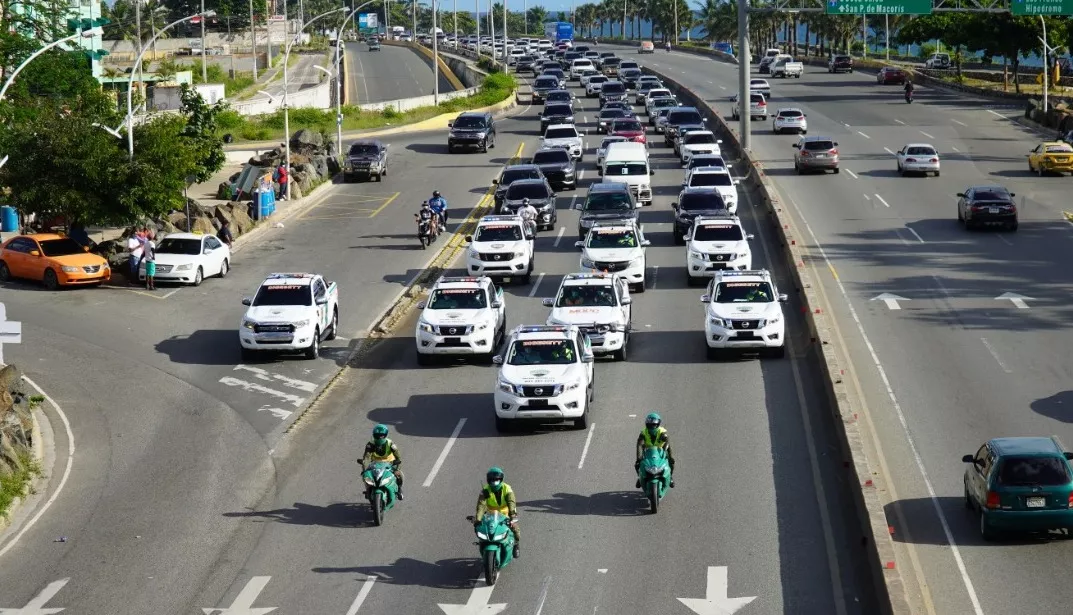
[495,89]
[17,483]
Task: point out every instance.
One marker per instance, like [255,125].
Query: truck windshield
[612,239]
[498,232]
[586,296]
[457,299]
[280,294]
[614,87]
[541,352]
[720,232]
[744,292]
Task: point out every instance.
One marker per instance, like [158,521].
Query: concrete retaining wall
[317,97]
[445,71]
[406,104]
[875,530]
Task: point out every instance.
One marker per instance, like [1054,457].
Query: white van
[627,162]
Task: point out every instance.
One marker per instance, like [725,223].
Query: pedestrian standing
[136,245]
[282,178]
[149,258]
[224,234]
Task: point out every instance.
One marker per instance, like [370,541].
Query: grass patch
[496,88]
[1029,86]
[17,484]
[216,74]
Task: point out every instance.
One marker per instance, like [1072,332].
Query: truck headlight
[571,387]
[645,187]
[637,262]
[772,321]
[248,324]
[587,263]
[519,254]
[301,323]
[508,387]
[716,322]
[696,255]
[473,252]
[424,326]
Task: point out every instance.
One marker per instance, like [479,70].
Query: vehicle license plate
[538,403]
[746,335]
[452,340]
[821,155]
[1036,502]
[992,210]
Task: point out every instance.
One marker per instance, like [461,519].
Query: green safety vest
[493,503]
[658,441]
[384,454]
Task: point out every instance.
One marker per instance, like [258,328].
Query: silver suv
[815,154]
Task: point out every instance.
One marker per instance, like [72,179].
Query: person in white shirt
[528,214]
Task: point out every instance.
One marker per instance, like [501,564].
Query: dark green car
[1020,485]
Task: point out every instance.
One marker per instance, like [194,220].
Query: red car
[630,128]
[889,74]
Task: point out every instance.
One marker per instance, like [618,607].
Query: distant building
[77,9]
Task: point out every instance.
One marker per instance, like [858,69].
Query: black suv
[556,165]
[525,64]
[629,77]
[556,113]
[543,85]
[365,159]
[472,129]
[540,196]
[987,206]
[510,175]
[693,202]
[678,117]
[838,64]
[605,201]
[612,91]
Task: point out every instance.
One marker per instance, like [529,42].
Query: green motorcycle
[655,476]
[381,488]
[496,542]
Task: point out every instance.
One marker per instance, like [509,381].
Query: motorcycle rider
[653,436]
[439,207]
[425,214]
[908,88]
[382,448]
[667,46]
[528,214]
[497,496]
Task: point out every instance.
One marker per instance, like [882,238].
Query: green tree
[537,16]
[199,133]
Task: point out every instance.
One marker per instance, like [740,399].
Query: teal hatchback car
[1020,485]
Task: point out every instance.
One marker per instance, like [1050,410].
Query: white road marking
[602,570]
[655,276]
[243,602]
[926,134]
[279,413]
[852,174]
[295,400]
[915,234]
[1004,240]
[1017,300]
[581,175]
[996,113]
[443,454]
[918,460]
[562,229]
[889,151]
[954,148]
[722,87]
[543,595]
[899,121]
[710,81]
[362,595]
[36,605]
[716,600]
[863,135]
[536,285]
[890,300]
[958,123]
[262,374]
[585,450]
[994,354]
[881,200]
[66,470]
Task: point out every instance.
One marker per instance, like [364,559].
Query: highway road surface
[163,514]
[975,344]
[392,73]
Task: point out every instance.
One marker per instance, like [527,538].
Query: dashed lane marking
[852,174]
[958,123]
[863,135]
[268,376]
[443,454]
[899,121]
[253,387]
[889,151]
[536,285]
[927,135]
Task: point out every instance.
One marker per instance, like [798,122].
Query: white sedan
[918,158]
[789,119]
[189,258]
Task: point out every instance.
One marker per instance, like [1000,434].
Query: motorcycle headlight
[696,255]
[184,267]
[500,536]
[587,263]
[654,471]
[508,387]
[368,480]
[482,535]
[717,322]
[70,269]
[424,326]
[301,323]
[248,324]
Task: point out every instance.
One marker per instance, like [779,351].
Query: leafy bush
[926,50]
[856,48]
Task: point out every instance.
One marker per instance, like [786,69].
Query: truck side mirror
[705,298]
[247,301]
[469,238]
[548,302]
[968,459]
[497,304]
[498,359]
[422,305]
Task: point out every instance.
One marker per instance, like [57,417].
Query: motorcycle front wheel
[378,508]
[653,496]
[491,568]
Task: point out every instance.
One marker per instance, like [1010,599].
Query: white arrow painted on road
[36,606]
[477,603]
[1018,300]
[716,602]
[243,604]
[890,300]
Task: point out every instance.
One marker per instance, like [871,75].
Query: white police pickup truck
[599,305]
[290,313]
[743,312]
[501,247]
[462,316]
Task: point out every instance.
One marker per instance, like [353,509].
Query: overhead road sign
[884,7]
[1041,7]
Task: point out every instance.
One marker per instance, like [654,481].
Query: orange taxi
[1051,157]
[54,260]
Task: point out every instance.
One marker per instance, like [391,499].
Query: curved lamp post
[84,34]
[286,89]
[338,81]
[134,71]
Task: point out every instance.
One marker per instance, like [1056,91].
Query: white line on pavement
[655,276]
[362,595]
[889,151]
[996,113]
[919,461]
[581,175]
[899,121]
[66,470]
[268,376]
[543,595]
[881,200]
[915,234]
[994,354]
[585,450]
[585,118]
[722,87]
[443,454]
[710,81]
[926,135]
[536,285]
[954,148]
[958,123]
[863,135]
[295,400]
[562,229]
[1004,240]
[852,174]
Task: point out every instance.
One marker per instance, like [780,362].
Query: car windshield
[560,133]
[710,179]
[608,114]
[499,232]
[662,105]
[1031,471]
[612,239]
[512,175]
[819,146]
[457,299]
[61,247]
[614,87]
[627,126]
[558,110]
[608,201]
[551,156]
[1062,148]
[718,232]
[684,117]
[558,72]
[546,82]
[541,352]
[991,195]
[707,161]
[598,79]
[920,151]
[586,296]
[555,96]
[626,168]
[758,83]
[842,58]
[644,86]
[364,149]
[699,201]
[283,294]
[527,190]
[701,137]
[629,64]
[744,292]
[630,72]
[469,121]
[790,114]
[175,245]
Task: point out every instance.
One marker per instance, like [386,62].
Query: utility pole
[744,61]
[477,16]
[456,25]
[204,53]
[435,56]
[253,40]
[413,33]
[138,25]
[504,35]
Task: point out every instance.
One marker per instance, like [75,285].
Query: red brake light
[804,153]
[934,160]
[833,152]
[1070,504]
[762,103]
[992,500]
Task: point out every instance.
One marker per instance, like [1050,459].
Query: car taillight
[992,500]
[833,152]
[761,104]
[1070,502]
[910,159]
[934,160]
[805,154]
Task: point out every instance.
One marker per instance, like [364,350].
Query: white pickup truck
[785,67]
[290,313]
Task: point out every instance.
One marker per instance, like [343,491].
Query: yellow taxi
[646,47]
[1051,157]
[54,260]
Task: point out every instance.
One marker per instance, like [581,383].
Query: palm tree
[537,15]
[719,20]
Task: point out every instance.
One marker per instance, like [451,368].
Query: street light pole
[204,52]
[744,60]
[253,41]
[435,56]
[137,64]
[1046,68]
[477,15]
[505,35]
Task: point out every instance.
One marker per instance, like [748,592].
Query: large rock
[296,192]
[309,169]
[302,179]
[240,220]
[16,421]
[224,191]
[204,224]
[320,163]
[307,140]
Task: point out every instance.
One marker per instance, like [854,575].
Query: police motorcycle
[655,476]
[381,488]
[496,543]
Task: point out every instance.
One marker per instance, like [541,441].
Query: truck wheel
[314,347]
[335,326]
